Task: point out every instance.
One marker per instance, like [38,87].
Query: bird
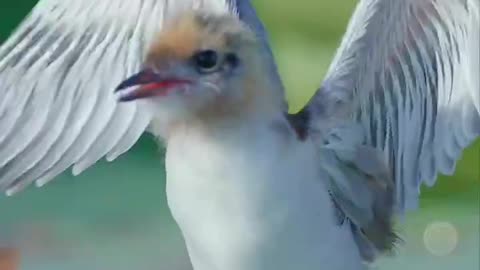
[250,185]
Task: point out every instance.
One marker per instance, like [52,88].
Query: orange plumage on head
[235,85]
[191,32]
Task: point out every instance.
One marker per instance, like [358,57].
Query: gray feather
[404,83]
[407,72]
[362,189]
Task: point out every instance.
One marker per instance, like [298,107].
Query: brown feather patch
[195,31]
[191,32]
[178,40]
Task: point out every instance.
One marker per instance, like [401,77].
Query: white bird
[251,187]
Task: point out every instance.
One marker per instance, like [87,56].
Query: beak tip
[134,80]
[121,87]
[125,98]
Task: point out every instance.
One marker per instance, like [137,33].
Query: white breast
[251,198]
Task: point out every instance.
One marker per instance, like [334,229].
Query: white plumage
[407,71]
[400,102]
[59,108]
[249,198]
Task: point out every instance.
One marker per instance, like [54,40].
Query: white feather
[58,72]
[407,71]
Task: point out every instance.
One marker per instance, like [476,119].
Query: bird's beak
[149,84]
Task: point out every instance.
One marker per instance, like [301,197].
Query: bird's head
[203,66]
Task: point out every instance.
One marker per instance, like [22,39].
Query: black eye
[206,61]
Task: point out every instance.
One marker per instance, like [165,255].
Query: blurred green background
[115,215]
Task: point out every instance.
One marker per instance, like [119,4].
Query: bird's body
[251,186]
[245,193]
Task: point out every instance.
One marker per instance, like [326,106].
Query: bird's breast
[243,199]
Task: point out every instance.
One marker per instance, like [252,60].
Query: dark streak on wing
[300,123]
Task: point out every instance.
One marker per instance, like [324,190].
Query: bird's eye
[206,61]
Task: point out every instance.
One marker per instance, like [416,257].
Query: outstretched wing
[408,72]
[57,75]
[405,81]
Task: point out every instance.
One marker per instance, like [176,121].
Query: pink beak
[150,84]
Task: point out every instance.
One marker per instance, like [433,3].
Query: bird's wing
[57,76]
[405,81]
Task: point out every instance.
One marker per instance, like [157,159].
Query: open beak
[149,84]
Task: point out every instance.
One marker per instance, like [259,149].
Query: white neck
[244,194]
